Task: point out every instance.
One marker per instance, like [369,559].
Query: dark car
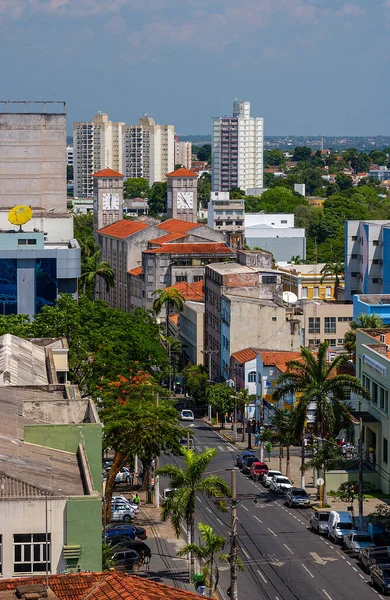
[369,557]
[247,463]
[297,497]
[126,560]
[143,549]
[130,531]
[242,456]
[380,578]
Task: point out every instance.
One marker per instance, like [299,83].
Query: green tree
[205,153]
[93,268]
[19,325]
[204,189]
[301,153]
[83,232]
[289,425]
[236,192]
[360,163]
[363,321]
[333,270]
[136,187]
[158,198]
[297,260]
[344,181]
[187,483]
[274,158]
[69,173]
[169,299]
[326,456]
[378,157]
[312,178]
[219,396]
[196,382]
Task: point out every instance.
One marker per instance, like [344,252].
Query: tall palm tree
[88,245]
[363,321]
[169,298]
[187,483]
[206,553]
[333,269]
[92,268]
[287,423]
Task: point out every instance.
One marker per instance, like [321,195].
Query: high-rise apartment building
[183,153]
[97,144]
[237,146]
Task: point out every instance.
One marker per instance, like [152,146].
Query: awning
[365,416]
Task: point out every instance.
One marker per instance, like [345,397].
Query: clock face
[185,200]
[106,201]
[114,201]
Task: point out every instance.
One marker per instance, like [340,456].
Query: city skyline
[306,66]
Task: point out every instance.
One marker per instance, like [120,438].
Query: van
[339,524]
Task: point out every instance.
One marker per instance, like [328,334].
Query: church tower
[182,195]
[107,198]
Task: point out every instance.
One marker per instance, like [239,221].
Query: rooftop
[374,299]
[169,237]
[107,173]
[279,359]
[190,291]
[233,268]
[123,229]
[303,269]
[209,248]
[177,226]
[244,356]
[182,172]
[137,271]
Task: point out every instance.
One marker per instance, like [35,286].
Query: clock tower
[107,198]
[182,195]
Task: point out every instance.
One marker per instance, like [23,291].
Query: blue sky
[308,66]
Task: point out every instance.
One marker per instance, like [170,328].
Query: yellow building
[305,282]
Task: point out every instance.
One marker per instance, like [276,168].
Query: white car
[280,484]
[187,415]
[124,476]
[267,478]
[122,511]
[120,499]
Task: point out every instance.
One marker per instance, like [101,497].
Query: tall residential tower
[237,145]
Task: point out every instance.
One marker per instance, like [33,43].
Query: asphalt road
[283,559]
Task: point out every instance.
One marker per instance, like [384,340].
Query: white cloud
[350,10]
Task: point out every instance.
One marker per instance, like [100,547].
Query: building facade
[275,233]
[182,195]
[225,214]
[372,304]
[308,283]
[183,153]
[323,322]
[237,148]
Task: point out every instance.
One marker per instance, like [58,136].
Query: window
[316,292]
[314,343]
[304,292]
[375,242]
[314,324]
[331,342]
[377,261]
[283,221]
[383,399]
[354,238]
[374,393]
[30,552]
[340,341]
[198,278]
[252,377]
[354,256]
[267,279]
[32,242]
[330,324]
[344,319]
[22,242]
[328,292]
[366,382]
[181,278]
[274,318]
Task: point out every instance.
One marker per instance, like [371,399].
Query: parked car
[240,457]
[297,497]
[267,478]
[355,541]
[187,415]
[143,549]
[126,531]
[247,463]
[114,535]
[124,475]
[280,484]
[380,578]
[119,499]
[107,464]
[122,511]
[319,520]
[339,524]
[127,560]
[369,557]
[258,470]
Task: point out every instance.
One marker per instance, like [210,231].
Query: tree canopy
[135,187]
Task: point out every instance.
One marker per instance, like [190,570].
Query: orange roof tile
[278,359]
[201,248]
[177,226]
[71,586]
[243,356]
[107,173]
[182,172]
[174,319]
[169,237]
[190,291]
[137,271]
[123,229]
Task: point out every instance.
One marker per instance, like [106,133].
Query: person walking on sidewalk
[136,499]
[257,438]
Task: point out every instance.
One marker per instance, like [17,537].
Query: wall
[381,310]
[335,478]
[191,326]
[282,246]
[322,310]
[29,516]
[276,219]
[68,437]
[84,527]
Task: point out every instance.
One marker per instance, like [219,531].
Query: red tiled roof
[66,587]
[243,356]
[169,237]
[123,229]
[137,271]
[278,359]
[202,248]
[174,319]
[182,172]
[107,173]
[177,226]
[190,291]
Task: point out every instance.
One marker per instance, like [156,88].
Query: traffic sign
[320,481]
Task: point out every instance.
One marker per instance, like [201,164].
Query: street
[283,559]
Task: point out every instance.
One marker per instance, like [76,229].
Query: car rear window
[299,493]
[345,525]
[362,538]
[323,517]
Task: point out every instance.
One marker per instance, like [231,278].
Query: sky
[308,67]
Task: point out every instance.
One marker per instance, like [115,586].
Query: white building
[275,233]
[183,153]
[225,214]
[237,145]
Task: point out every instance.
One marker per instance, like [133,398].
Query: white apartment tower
[237,146]
[97,144]
[183,153]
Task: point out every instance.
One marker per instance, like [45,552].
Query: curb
[229,439]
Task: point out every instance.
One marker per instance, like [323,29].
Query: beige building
[191,331]
[183,153]
[323,322]
[305,282]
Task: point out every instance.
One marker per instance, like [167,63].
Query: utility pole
[360,491]
[188,440]
[233,539]
[156,477]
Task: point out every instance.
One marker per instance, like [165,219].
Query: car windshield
[250,460]
[345,525]
[186,413]
[282,480]
[386,573]
[362,537]
[323,517]
[299,493]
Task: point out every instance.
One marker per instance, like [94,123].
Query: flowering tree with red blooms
[138,419]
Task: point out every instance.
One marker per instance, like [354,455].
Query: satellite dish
[19,215]
[290,297]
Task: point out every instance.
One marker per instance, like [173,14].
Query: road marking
[355,569]
[274,561]
[321,560]
[360,575]
[306,569]
[221,448]
[289,549]
[245,508]
[273,533]
[348,563]
[257,519]
[219,521]
[207,508]
[327,595]
[245,552]
[262,576]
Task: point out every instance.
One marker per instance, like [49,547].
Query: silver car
[319,521]
[122,511]
[355,541]
[280,484]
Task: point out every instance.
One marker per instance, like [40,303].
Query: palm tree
[169,298]
[326,456]
[363,321]
[206,553]
[187,483]
[287,422]
[88,245]
[335,270]
[91,269]
[297,260]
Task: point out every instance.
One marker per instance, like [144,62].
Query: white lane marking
[221,448]
[289,549]
[306,569]
[355,569]
[327,595]
[245,552]
[348,562]
[207,508]
[245,508]
[276,598]
[273,533]
[262,576]
[257,519]
[343,557]
[219,521]
[360,575]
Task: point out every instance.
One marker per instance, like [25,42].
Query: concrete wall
[335,478]
[272,219]
[322,310]
[58,229]
[381,308]
[282,246]
[84,527]
[33,160]
[28,516]
[191,326]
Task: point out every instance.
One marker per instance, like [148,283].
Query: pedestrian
[344,451]
[257,438]
[136,499]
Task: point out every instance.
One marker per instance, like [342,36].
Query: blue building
[372,304]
